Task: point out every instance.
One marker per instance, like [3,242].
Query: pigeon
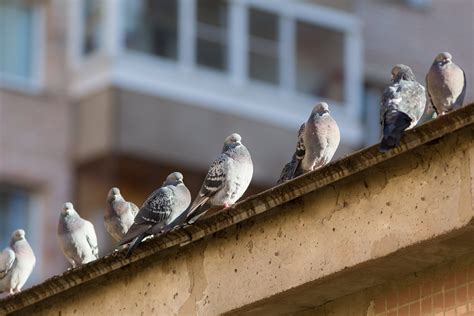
[161,212]
[446,84]
[403,104]
[16,263]
[226,181]
[318,140]
[76,237]
[119,214]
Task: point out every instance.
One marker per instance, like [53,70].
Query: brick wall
[443,293]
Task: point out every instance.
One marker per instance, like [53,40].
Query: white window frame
[233,91]
[33,84]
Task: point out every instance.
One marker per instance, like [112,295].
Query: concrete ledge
[306,236]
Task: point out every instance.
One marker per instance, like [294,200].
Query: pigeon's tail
[395,124]
[289,170]
[134,244]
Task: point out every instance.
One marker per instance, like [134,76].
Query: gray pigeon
[446,84]
[318,140]
[76,237]
[226,181]
[403,104]
[16,263]
[162,211]
[119,214]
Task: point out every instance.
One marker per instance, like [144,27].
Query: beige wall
[35,142]
[395,33]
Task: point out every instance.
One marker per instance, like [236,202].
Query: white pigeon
[16,263]
[318,140]
[161,212]
[76,237]
[226,181]
[119,214]
[446,84]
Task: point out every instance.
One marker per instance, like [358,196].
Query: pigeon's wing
[413,101]
[92,239]
[289,170]
[460,98]
[213,182]
[155,210]
[7,257]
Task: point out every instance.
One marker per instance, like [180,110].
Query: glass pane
[92,20]
[152,27]
[263,46]
[14,206]
[16,37]
[211,54]
[319,61]
[211,43]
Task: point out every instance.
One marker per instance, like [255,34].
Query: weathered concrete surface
[354,224]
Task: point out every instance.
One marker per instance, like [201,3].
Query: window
[17,45]
[151,26]
[92,26]
[319,61]
[211,42]
[263,46]
[14,207]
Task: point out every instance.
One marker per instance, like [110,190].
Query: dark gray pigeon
[226,181]
[161,212]
[76,237]
[403,104]
[446,84]
[119,214]
[318,140]
[16,263]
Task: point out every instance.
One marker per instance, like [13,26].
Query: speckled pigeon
[446,84]
[76,237]
[161,212]
[119,214]
[318,140]
[226,181]
[403,104]
[16,263]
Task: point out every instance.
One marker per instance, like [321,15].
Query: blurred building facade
[96,94]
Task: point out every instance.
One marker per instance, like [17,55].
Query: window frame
[228,91]
[33,84]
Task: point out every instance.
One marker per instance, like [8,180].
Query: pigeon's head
[174,178]
[68,209]
[404,72]
[232,141]
[321,108]
[18,234]
[114,194]
[443,58]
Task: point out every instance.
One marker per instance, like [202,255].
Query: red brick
[438,301]
[461,310]
[470,291]
[450,312]
[409,294]
[392,300]
[394,313]
[426,306]
[449,299]
[403,311]
[461,295]
[449,281]
[471,273]
[437,285]
[380,304]
[461,277]
[415,309]
[426,288]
